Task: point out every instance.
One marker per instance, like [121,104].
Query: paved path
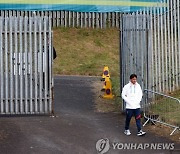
[76,128]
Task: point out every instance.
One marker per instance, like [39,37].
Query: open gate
[150,47]
[26,81]
[134,38]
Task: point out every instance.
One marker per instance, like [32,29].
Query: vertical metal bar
[127,48]
[54,18]
[113,19]
[172,47]
[58,18]
[145,54]
[136,36]
[26,65]
[121,57]
[65,18]
[126,37]
[82,24]
[137,42]
[165,44]
[97,20]
[16,67]
[77,19]
[11,66]
[40,65]
[162,49]
[178,21]
[69,19]
[45,62]
[101,21]
[6,67]
[131,43]
[108,19]
[36,65]
[159,50]
[124,55]
[142,48]
[175,43]
[21,64]
[89,20]
[116,19]
[73,19]
[92,19]
[152,48]
[155,50]
[169,49]
[1,64]
[134,40]
[31,65]
[148,48]
[105,21]
[61,18]
[50,69]
[85,19]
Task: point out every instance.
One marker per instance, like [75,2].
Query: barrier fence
[150,47]
[163,109]
[26,82]
[72,19]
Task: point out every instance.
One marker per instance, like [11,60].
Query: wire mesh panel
[162,108]
[25,65]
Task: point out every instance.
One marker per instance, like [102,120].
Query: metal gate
[150,47]
[26,82]
[134,48]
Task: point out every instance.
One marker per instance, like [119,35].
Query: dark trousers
[137,114]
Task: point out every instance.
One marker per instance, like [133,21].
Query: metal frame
[26,81]
[151,118]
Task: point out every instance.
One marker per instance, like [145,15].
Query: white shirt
[132,94]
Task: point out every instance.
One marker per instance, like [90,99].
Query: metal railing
[161,108]
[72,19]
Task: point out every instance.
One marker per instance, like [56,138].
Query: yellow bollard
[108,89]
[105,73]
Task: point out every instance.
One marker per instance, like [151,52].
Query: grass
[86,51]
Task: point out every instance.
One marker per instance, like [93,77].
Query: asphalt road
[75,130]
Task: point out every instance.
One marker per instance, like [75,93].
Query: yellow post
[108,89]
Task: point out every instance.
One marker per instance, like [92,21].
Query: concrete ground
[75,130]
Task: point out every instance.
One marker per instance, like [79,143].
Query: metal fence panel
[72,19]
[26,81]
[150,47]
